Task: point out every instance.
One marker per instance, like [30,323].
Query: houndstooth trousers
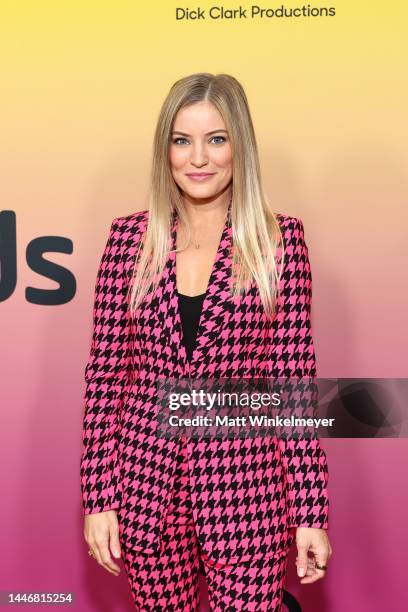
[170,580]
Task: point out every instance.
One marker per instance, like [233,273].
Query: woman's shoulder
[286,220]
[134,223]
[128,229]
[139,216]
[290,226]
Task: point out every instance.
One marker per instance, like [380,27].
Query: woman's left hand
[317,542]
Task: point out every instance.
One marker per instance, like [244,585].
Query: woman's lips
[200,177]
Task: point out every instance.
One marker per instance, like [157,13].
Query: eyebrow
[207,134]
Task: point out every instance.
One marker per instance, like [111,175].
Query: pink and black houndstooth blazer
[248,493]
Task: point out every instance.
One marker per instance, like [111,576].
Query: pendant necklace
[197,244]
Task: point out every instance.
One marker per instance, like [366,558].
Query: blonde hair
[255,230]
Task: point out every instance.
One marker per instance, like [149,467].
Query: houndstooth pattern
[246,494]
[170,580]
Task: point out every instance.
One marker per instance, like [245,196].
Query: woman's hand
[101,532]
[317,542]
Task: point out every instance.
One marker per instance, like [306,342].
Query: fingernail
[116,553]
[301,571]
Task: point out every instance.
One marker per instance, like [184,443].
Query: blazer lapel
[216,309]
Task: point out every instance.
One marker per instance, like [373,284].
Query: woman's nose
[199,155]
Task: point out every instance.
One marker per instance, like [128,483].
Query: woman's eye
[181,140]
[221,138]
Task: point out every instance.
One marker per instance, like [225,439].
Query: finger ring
[321,567]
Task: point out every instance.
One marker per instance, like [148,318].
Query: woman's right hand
[101,532]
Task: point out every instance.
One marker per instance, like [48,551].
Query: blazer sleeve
[106,373]
[304,460]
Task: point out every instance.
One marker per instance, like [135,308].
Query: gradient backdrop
[82,83]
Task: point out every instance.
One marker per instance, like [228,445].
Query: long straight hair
[255,229]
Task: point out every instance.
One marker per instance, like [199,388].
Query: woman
[166,306]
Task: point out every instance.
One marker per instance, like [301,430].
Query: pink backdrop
[44,352]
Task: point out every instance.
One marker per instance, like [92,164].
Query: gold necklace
[197,244]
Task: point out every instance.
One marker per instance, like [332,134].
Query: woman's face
[200,152]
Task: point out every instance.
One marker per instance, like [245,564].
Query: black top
[190,311]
